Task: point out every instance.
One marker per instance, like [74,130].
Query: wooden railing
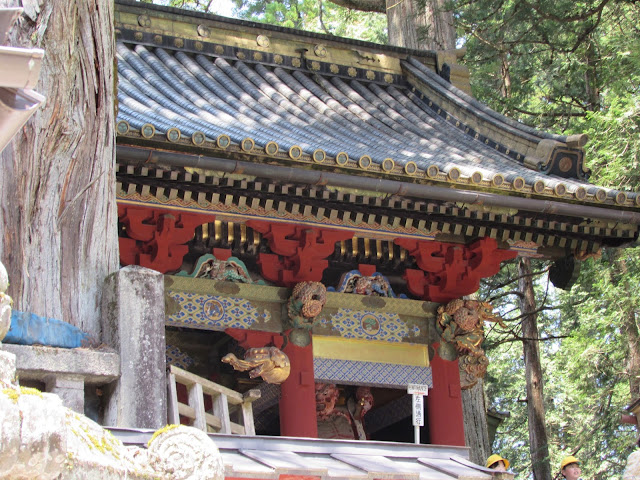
[227,404]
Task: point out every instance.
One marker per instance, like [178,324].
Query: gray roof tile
[412,122]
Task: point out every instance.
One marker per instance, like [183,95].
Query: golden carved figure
[269,363]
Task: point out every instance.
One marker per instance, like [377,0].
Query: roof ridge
[276,28]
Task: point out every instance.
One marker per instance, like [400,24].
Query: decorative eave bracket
[299,252]
[157,237]
[449,270]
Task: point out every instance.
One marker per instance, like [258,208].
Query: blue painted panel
[30,329]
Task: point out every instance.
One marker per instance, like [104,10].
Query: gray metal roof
[269,457]
[172,89]
[273,94]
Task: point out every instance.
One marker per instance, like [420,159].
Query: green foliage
[316,16]
[569,68]
[549,63]
[310,15]
[614,147]
[584,350]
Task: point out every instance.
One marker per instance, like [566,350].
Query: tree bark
[630,326]
[476,432]
[418,24]
[428,27]
[538,445]
[58,209]
[378,6]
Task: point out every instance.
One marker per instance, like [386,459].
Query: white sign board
[418,411]
[417,389]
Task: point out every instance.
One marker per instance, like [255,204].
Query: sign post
[417,392]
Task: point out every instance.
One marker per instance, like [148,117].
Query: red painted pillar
[444,404]
[298,395]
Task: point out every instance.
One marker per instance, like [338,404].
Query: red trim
[444,404]
[449,270]
[299,252]
[366,270]
[298,395]
[288,476]
[255,339]
[157,237]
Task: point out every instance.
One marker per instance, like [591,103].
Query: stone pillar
[70,388]
[133,323]
[298,395]
[7,368]
[444,404]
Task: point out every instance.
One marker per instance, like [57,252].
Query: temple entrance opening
[343,411]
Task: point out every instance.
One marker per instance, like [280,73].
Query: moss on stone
[161,431]
[14,393]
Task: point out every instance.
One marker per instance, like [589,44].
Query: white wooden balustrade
[227,404]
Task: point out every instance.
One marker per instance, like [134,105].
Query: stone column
[133,323]
[70,388]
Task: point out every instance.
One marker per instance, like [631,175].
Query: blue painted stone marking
[30,329]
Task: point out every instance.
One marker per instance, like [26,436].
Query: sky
[223,7]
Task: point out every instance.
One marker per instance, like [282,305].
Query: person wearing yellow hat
[497,463]
[570,468]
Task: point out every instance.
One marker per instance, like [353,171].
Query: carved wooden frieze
[217,305]
[376,318]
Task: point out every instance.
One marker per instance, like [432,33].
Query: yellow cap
[495,458]
[568,460]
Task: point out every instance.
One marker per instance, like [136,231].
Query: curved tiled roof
[271,457]
[414,125]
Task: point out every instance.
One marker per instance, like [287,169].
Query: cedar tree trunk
[629,324]
[538,445]
[476,432]
[419,24]
[57,182]
[424,27]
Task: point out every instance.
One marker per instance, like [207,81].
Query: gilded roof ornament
[198,138]
[173,135]
[144,21]
[320,50]
[204,31]
[147,130]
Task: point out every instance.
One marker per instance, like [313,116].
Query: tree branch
[597,10]
[378,6]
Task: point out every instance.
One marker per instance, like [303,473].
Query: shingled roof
[225,88]
[268,458]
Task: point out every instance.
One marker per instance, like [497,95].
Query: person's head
[570,468]
[497,463]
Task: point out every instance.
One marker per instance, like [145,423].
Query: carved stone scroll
[185,453]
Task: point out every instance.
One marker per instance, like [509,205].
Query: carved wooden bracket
[449,270]
[254,339]
[299,252]
[157,237]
